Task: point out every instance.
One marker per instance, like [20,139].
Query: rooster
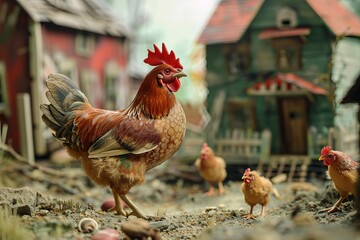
[211,168]
[116,148]
[343,172]
[256,190]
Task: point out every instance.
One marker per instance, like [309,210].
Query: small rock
[20,200]
[161,224]
[108,204]
[43,212]
[211,213]
[222,206]
[140,229]
[106,234]
[208,209]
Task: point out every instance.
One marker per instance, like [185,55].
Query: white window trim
[4,106]
[84,44]
[89,83]
[68,68]
[111,73]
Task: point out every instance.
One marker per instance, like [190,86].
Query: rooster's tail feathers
[63,94]
[64,97]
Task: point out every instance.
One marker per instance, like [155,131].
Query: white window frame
[84,44]
[89,83]
[4,105]
[111,82]
[68,68]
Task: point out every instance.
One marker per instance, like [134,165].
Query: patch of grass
[11,228]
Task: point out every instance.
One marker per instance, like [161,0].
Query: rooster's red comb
[158,57]
[325,150]
[247,171]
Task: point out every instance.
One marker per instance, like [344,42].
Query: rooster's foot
[118,211]
[330,210]
[221,192]
[249,216]
[210,193]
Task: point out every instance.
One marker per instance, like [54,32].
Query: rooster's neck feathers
[152,100]
[343,162]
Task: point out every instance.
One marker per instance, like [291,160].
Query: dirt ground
[52,206]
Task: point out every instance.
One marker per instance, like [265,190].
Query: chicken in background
[343,172]
[116,148]
[212,169]
[256,190]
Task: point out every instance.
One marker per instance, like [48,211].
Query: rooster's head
[248,176]
[155,97]
[168,69]
[327,155]
[204,153]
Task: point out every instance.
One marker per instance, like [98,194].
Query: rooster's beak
[179,74]
[321,158]
[243,177]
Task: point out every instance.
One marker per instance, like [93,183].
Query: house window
[84,44]
[68,68]
[286,17]
[4,101]
[288,53]
[237,57]
[111,85]
[89,82]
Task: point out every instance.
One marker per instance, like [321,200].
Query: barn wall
[14,53]
[59,46]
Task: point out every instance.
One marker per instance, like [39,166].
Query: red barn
[79,38]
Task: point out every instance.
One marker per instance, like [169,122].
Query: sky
[177,23]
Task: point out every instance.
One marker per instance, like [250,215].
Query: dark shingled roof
[232,17]
[88,15]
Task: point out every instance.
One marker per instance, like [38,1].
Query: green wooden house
[283,66]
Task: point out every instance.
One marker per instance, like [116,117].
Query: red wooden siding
[14,53]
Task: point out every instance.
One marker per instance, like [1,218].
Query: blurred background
[267,80]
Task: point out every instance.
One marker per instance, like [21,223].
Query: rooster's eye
[167,71]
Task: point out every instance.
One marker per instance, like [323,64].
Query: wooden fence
[244,147]
[339,139]
[253,149]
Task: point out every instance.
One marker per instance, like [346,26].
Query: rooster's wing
[128,136]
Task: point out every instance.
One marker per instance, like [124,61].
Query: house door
[293,125]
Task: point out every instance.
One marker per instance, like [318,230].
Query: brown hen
[212,169]
[343,172]
[256,190]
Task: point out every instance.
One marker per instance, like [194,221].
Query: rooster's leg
[118,208]
[334,208]
[135,210]
[262,213]
[250,215]
[221,188]
[211,191]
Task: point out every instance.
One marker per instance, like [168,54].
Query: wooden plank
[37,86]
[25,126]
[289,165]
